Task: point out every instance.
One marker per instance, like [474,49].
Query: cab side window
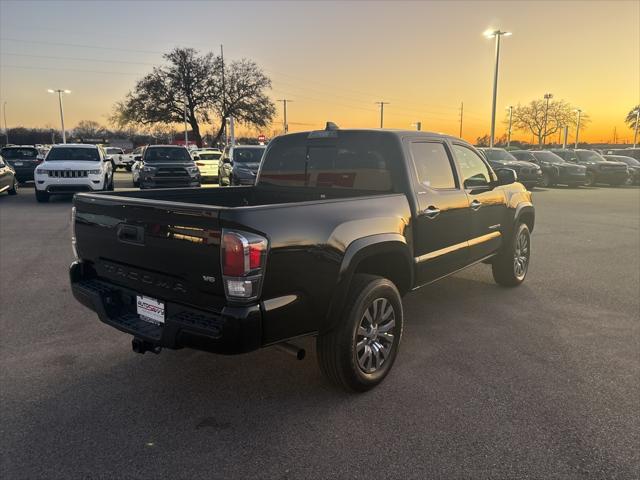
[475,172]
[433,167]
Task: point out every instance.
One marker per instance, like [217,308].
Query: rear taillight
[73,233]
[243,260]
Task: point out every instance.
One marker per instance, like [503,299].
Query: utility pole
[497,34]
[6,130]
[382,104]
[224,97]
[60,92]
[566,136]
[418,125]
[461,112]
[635,134]
[547,97]
[510,123]
[186,134]
[614,135]
[284,104]
[579,112]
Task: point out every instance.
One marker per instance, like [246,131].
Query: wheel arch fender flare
[524,213]
[357,252]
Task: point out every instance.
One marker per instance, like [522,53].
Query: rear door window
[433,166]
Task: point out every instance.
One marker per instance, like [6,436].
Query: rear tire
[511,265]
[358,353]
[14,188]
[42,197]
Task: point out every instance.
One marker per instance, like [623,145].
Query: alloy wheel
[375,335]
[521,255]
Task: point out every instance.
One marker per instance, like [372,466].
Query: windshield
[209,156]
[74,154]
[548,157]
[114,151]
[526,156]
[588,156]
[247,155]
[166,154]
[499,155]
[17,153]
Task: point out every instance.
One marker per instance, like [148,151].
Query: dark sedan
[23,160]
[240,164]
[598,169]
[555,171]
[632,164]
[529,174]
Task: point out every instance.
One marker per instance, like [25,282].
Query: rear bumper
[229,331]
[24,174]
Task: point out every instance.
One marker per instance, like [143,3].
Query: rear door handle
[475,205]
[431,212]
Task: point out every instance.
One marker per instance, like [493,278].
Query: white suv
[70,168]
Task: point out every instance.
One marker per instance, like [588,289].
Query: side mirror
[506,176]
[226,160]
[137,158]
[196,157]
[108,158]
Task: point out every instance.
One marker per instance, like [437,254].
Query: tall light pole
[579,113]
[382,104]
[417,124]
[186,134]
[224,96]
[497,34]
[461,113]
[547,97]
[510,123]
[284,105]
[6,129]
[635,134]
[60,92]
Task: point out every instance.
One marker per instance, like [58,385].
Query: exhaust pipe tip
[291,349]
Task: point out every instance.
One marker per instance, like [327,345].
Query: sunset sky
[334,59]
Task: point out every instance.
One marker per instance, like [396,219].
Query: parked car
[633,166]
[23,159]
[240,164]
[208,162]
[8,180]
[598,169]
[554,169]
[71,168]
[163,166]
[627,152]
[340,225]
[118,157]
[529,174]
[130,158]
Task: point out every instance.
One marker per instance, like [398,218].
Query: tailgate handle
[130,234]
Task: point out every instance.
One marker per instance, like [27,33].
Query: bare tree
[185,85]
[531,118]
[245,97]
[89,129]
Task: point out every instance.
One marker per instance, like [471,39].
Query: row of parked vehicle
[572,167]
[82,167]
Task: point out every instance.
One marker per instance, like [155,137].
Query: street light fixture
[497,33]
[60,92]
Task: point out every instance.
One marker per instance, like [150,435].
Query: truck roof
[382,131]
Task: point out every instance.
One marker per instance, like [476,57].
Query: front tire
[14,188]
[42,197]
[357,354]
[511,265]
[590,180]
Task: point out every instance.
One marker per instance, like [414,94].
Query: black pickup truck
[339,226]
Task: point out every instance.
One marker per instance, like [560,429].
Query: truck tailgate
[165,250]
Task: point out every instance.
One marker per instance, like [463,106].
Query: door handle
[431,212]
[475,205]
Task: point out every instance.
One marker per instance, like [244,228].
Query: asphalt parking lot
[541,381]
